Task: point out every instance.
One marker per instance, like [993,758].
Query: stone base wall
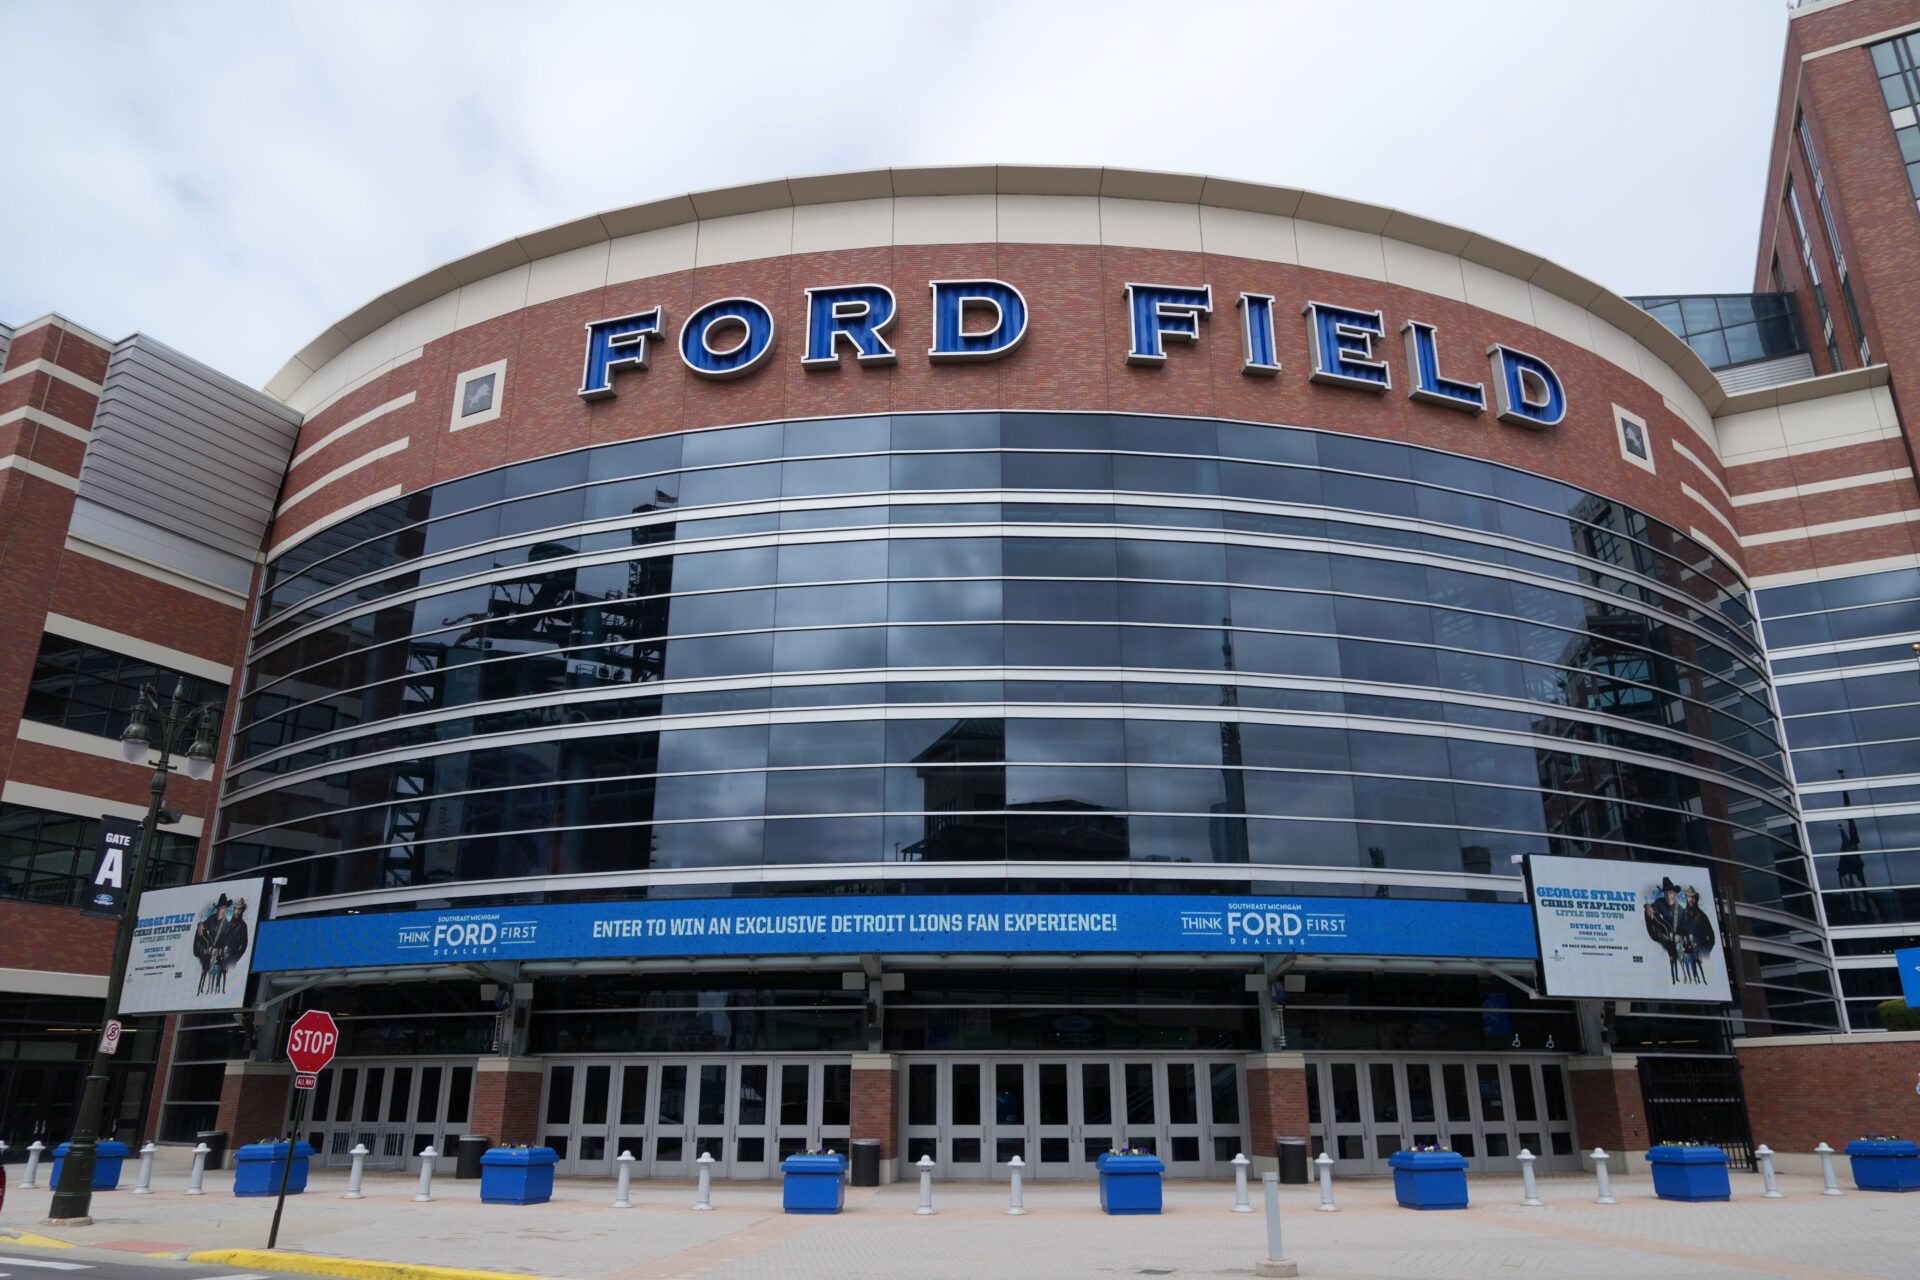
[1276,1105]
[876,1107]
[506,1101]
[253,1102]
[1805,1090]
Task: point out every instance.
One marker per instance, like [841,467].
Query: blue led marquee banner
[923,924]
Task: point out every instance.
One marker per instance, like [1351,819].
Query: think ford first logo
[1264,926]
[468,935]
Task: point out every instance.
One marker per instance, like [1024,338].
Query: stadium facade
[997,660]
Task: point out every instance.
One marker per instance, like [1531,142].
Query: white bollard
[1825,1153]
[1764,1155]
[1605,1176]
[425,1194]
[925,1166]
[705,1202]
[623,1200]
[33,1164]
[1276,1262]
[359,1154]
[1325,1163]
[1526,1159]
[144,1187]
[1240,1163]
[199,1174]
[1015,1206]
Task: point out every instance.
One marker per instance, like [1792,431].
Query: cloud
[231,178]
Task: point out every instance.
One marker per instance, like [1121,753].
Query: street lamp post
[154,727]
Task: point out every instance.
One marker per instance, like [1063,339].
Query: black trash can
[1293,1159]
[466,1163]
[216,1148]
[866,1162]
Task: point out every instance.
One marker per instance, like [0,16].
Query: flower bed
[259,1166]
[813,1182]
[517,1175]
[107,1159]
[1885,1163]
[1688,1172]
[1129,1181]
[1429,1178]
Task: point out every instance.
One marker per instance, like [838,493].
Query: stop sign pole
[311,1042]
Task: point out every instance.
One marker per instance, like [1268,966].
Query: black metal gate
[1698,1100]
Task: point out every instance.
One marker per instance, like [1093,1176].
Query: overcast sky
[232,178]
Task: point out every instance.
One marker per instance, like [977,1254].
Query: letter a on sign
[108,895]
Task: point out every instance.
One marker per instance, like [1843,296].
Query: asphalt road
[20,1262]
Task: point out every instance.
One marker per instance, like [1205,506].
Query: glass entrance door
[747,1113]
[37,1104]
[1362,1110]
[1060,1114]
[396,1109]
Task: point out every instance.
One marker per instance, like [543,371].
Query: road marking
[12,1261]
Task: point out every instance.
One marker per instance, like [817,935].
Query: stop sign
[311,1042]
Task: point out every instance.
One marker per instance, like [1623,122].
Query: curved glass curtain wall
[955,638]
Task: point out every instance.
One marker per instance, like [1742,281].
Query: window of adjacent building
[88,689]
[1897,63]
[1727,330]
[1834,247]
[1805,243]
[50,857]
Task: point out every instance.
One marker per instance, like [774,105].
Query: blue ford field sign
[977,320]
[923,924]
[1908,961]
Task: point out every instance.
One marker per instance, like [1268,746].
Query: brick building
[1020,660]
[135,489]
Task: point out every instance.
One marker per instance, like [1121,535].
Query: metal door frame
[1376,1134]
[719,1138]
[1086,1140]
[383,1137]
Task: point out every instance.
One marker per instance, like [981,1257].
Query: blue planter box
[1129,1184]
[107,1157]
[1429,1179]
[259,1166]
[812,1184]
[1690,1173]
[517,1175]
[1885,1165]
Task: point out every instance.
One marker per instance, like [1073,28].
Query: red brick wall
[1804,1090]
[60,939]
[1073,358]
[876,1112]
[253,1102]
[1608,1110]
[1276,1107]
[506,1105]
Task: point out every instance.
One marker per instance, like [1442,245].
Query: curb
[34,1239]
[320,1264]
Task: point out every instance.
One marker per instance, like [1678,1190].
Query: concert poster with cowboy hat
[1627,930]
[193,948]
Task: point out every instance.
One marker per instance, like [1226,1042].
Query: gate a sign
[310,1045]
[108,896]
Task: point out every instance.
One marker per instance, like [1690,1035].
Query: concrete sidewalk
[579,1236]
